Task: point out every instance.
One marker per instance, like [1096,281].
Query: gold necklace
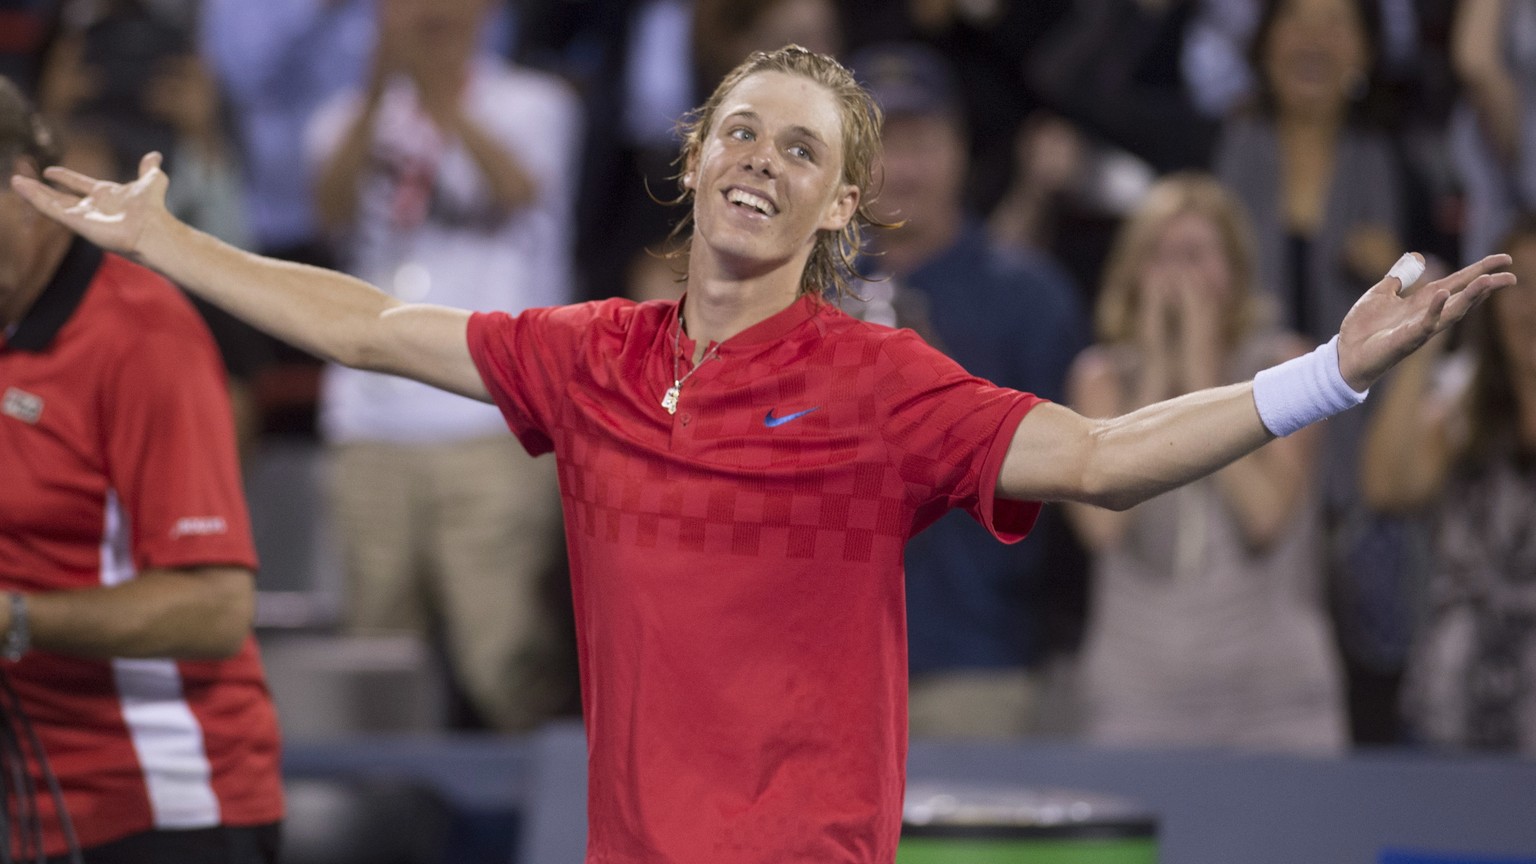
[669,401]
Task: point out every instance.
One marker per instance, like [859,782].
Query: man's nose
[763,159]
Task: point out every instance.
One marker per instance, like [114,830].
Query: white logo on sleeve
[24,406]
[198,526]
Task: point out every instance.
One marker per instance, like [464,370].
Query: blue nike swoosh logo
[771,421]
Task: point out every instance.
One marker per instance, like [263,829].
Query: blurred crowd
[1105,202]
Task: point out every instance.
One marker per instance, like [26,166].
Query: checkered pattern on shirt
[738,585]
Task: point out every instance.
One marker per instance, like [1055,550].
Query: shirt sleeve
[525,361]
[949,432]
[170,448]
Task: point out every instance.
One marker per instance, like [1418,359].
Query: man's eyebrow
[807,132]
[801,131]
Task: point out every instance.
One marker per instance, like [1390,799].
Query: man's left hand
[1391,321]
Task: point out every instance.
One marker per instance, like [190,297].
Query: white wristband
[1302,391]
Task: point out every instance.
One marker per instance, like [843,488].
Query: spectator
[1208,625]
[448,179]
[1321,182]
[1317,177]
[126,556]
[1456,434]
[1010,316]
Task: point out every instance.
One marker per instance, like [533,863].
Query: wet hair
[1171,197]
[831,266]
[23,134]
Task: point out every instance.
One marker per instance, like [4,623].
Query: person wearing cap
[741,469]
[1011,316]
[126,561]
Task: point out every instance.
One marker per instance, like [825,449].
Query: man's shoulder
[615,316]
[839,330]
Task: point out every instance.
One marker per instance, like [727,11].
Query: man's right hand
[115,216]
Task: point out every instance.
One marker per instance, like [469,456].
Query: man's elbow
[229,611]
[1102,483]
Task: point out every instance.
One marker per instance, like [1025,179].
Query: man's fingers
[1461,302]
[1407,271]
[1436,313]
[150,162]
[70,179]
[1459,280]
[40,195]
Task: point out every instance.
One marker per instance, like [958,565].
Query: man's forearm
[1118,462]
[1165,445]
[329,314]
[200,613]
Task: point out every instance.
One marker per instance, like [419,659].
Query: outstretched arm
[1119,462]
[326,313]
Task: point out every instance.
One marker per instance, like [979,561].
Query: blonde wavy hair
[1173,196]
[832,261]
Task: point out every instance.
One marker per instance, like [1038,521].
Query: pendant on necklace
[669,401]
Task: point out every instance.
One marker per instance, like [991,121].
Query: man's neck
[720,305]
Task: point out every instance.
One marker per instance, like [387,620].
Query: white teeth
[761,205]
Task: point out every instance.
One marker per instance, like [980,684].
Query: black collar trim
[59,299]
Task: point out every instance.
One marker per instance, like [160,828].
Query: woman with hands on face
[1206,625]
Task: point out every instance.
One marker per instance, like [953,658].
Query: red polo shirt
[117,453]
[737,566]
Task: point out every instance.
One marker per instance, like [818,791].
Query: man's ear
[690,176]
[841,209]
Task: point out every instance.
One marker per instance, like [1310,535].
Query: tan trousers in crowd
[460,535]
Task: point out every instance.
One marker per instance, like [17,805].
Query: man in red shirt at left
[126,562]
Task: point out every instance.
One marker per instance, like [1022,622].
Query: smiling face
[767,178]
[797,91]
[1316,54]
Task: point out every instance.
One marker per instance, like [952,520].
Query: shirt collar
[59,299]
[767,330]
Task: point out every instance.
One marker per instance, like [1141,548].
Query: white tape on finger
[1408,269]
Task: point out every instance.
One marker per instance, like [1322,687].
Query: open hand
[1384,326]
[114,216]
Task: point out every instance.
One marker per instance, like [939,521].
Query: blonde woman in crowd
[1207,624]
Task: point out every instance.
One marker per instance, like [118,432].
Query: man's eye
[800,151]
[741,133]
